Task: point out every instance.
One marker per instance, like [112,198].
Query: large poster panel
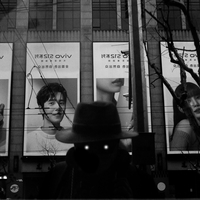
[5,85]
[111,77]
[111,80]
[179,136]
[52,93]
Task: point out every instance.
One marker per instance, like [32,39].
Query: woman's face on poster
[54,108]
[110,85]
[194,103]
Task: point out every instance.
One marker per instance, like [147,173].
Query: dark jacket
[121,180]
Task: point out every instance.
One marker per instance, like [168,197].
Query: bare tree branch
[193,30]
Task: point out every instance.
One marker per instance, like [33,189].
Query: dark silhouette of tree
[175,56]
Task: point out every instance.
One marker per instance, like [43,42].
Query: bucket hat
[93,122]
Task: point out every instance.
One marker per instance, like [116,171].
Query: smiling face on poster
[111,77]
[52,93]
[5,86]
[180,136]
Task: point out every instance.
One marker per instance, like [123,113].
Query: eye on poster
[5,87]
[180,137]
[52,93]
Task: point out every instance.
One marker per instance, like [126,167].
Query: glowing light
[4,177]
[86,147]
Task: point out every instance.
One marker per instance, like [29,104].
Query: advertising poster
[52,93]
[111,71]
[178,130]
[111,77]
[5,86]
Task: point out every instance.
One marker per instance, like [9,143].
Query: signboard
[111,78]
[53,70]
[111,71]
[176,122]
[111,66]
[5,85]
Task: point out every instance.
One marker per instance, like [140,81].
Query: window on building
[124,14]
[68,15]
[104,14]
[173,14]
[40,14]
[8,14]
[194,10]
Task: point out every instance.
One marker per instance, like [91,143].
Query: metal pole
[136,57]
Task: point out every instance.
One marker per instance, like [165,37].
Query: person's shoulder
[58,171]
[54,175]
[60,166]
[64,128]
[184,125]
[143,184]
[184,121]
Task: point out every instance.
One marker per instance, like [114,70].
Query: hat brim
[69,136]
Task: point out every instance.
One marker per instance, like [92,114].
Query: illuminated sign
[111,77]
[52,71]
[180,137]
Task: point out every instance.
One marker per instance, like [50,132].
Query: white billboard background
[110,62]
[6,52]
[171,72]
[51,62]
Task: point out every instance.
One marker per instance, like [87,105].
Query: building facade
[27,26]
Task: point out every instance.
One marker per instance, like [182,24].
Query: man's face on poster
[54,109]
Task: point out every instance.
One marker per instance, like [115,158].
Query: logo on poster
[114,56]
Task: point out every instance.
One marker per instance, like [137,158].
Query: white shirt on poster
[40,142]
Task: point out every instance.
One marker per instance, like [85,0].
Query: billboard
[180,137]
[52,93]
[111,76]
[5,86]
[111,79]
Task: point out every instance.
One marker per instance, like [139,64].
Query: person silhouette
[96,167]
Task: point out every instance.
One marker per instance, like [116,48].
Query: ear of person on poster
[183,137]
[96,167]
